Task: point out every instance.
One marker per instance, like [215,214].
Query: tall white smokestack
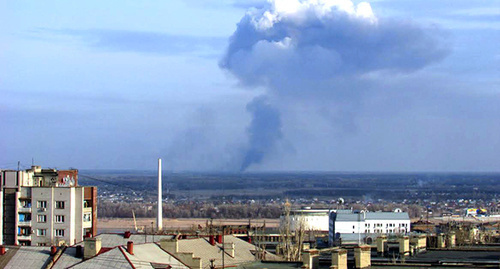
[159,217]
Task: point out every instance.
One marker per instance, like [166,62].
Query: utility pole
[223,248]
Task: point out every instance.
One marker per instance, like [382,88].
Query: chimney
[339,259]
[127,234]
[91,247]
[219,239]
[2,250]
[229,247]
[79,252]
[159,217]
[212,240]
[130,247]
[362,256]
[53,250]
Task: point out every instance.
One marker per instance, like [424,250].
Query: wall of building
[41,207]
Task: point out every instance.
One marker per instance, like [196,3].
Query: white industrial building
[42,207]
[309,219]
[346,223]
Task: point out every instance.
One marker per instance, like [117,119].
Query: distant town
[52,219]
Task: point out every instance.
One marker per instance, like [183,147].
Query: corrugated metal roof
[111,259]
[147,254]
[29,257]
[387,216]
[67,259]
[113,240]
[200,247]
[373,216]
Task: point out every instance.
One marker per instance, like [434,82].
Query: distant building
[41,207]
[309,219]
[367,224]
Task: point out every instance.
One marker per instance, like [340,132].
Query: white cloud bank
[290,42]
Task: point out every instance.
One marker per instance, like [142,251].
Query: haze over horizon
[251,85]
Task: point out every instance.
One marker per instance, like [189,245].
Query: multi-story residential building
[45,207]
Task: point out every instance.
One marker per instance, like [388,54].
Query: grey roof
[113,240]
[387,216]
[29,257]
[147,254]
[111,259]
[200,247]
[343,211]
[373,216]
[67,259]
[144,257]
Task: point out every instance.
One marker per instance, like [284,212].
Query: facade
[42,207]
[365,224]
[309,219]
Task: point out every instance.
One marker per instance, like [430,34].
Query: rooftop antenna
[159,217]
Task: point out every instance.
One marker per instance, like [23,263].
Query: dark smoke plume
[263,133]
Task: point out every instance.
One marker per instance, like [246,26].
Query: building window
[24,217]
[42,218]
[42,204]
[23,231]
[87,217]
[42,244]
[41,232]
[59,232]
[26,203]
[59,218]
[59,204]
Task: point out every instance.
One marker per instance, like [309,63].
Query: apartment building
[41,207]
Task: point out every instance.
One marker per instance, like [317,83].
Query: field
[115,225]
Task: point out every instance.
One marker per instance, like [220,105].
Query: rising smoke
[263,133]
[323,49]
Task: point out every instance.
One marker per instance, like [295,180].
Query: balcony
[24,223]
[23,237]
[24,210]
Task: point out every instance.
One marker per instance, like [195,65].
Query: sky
[281,85]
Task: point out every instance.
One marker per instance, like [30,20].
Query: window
[59,218]
[41,232]
[42,218]
[59,204]
[59,232]
[24,217]
[26,203]
[87,217]
[42,244]
[23,231]
[42,204]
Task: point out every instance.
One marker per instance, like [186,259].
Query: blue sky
[117,84]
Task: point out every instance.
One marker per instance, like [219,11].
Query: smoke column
[323,50]
[263,133]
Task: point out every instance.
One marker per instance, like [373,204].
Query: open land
[172,224]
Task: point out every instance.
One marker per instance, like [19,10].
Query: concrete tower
[159,217]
